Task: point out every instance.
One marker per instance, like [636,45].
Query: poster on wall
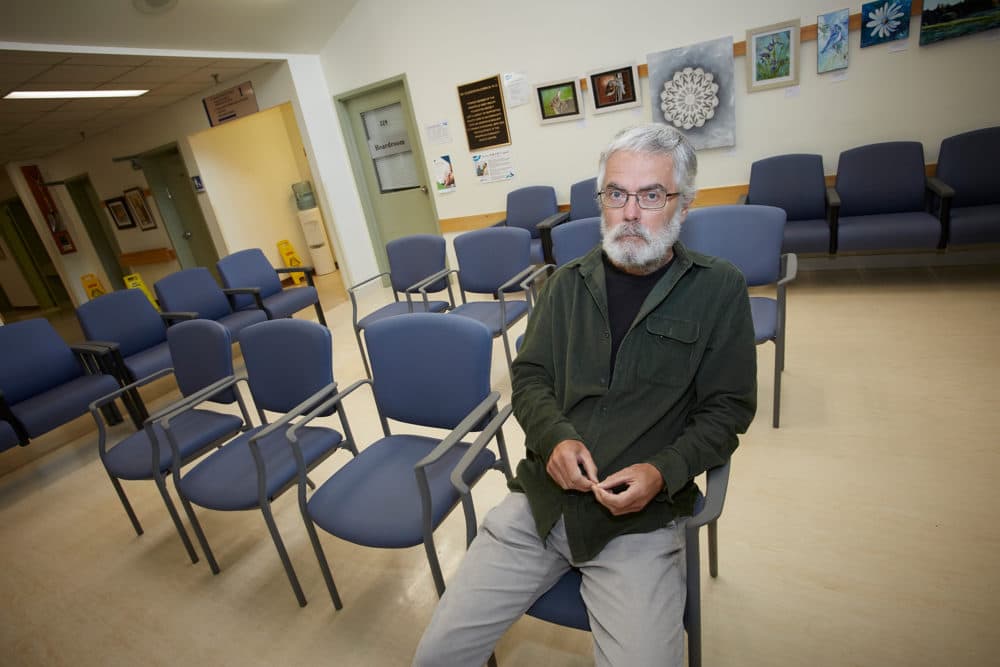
[47,206]
[494,165]
[692,88]
[484,114]
[947,19]
[444,174]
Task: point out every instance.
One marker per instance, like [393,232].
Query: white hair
[657,139]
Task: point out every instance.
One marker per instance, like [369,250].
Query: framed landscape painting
[947,19]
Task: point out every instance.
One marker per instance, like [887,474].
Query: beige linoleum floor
[862,532]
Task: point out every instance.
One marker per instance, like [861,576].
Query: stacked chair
[412,259]
[259,285]
[582,205]
[201,356]
[575,239]
[533,208]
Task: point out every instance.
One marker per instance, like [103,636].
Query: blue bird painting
[832,36]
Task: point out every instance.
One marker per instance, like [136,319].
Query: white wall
[921,93]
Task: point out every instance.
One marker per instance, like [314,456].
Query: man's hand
[636,486]
[571,466]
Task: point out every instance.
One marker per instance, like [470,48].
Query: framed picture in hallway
[119,212]
[136,201]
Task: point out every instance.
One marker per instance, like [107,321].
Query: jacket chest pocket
[669,353]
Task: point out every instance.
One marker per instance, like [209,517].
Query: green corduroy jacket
[684,387]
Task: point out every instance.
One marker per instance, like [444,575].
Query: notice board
[230,104]
[484,114]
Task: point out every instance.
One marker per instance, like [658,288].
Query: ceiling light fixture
[70,94]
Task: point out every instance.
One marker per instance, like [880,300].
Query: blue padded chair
[494,261]
[428,371]
[967,164]
[411,260]
[575,239]
[532,208]
[8,436]
[201,353]
[195,290]
[45,383]
[289,370]
[750,237]
[583,200]
[127,322]
[563,604]
[883,194]
[795,183]
[248,269]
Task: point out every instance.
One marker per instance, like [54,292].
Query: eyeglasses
[651,199]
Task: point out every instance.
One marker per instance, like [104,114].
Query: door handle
[186,236]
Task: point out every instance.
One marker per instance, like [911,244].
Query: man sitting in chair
[637,373]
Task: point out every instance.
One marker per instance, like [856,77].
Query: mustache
[630,229]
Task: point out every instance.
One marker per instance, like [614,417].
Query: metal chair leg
[283,553]
[161,484]
[125,503]
[199,533]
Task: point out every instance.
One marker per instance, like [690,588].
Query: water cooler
[312,228]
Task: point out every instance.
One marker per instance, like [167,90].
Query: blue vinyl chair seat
[488,313]
[240,320]
[807,236]
[575,239]
[910,230]
[764,311]
[795,183]
[975,224]
[400,308]
[195,290]
[251,268]
[132,458]
[288,302]
[62,403]
[381,480]
[235,464]
[145,363]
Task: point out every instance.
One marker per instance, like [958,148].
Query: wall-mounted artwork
[832,40]
[559,101]
[119,212]
[945,19]
[135,198]
[691,88]
[613,89]
[884,21]
[773,56]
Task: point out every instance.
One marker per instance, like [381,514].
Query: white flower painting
[884,21]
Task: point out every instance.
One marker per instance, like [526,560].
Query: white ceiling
[255,30]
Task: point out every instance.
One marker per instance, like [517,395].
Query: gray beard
[640,257]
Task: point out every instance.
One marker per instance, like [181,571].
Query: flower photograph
[884,21]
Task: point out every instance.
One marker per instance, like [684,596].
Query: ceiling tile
[92,104]
[149,73]
[14,73]
[32,57]
[33,106]
[182,88]
[112,59]
[82,74]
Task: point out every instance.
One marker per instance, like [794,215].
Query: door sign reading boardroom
[236,102]
[388,145]
[484,114]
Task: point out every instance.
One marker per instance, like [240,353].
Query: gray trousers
[634,591]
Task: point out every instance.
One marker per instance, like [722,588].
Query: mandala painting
[691,88]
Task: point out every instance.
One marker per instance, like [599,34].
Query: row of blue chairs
[883,200]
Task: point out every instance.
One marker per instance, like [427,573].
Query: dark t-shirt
[626,292]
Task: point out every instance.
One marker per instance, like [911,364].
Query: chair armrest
[422,285]
[940,188]
[528,284]
[309,403]
[553,220]
[832,197]
[470,455]
[366,281]
[522,276]
[323,407]
[477,415]
[742,199]
[254,291]
[715,496]
[789,268]
[545,232]
[7,415]
[97,403]
[178,315]
[102,356]
[192,400]
[306,269]
[833,216]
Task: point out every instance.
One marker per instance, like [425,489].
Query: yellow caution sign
[291,259]
[134,281]
[92,286]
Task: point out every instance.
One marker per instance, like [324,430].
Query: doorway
[32,259]
[89,208]
[173,192]
[388,163]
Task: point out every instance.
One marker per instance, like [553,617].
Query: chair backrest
[202,353]
[193,290]
[528,206]
[574,239]
[967,162]
[792,182]
[248,268]
[33,359]
[487,258]
[881,178]
[287,361]
[428,369]
[413,258]
[749,236]
[125,317]
[583,199]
